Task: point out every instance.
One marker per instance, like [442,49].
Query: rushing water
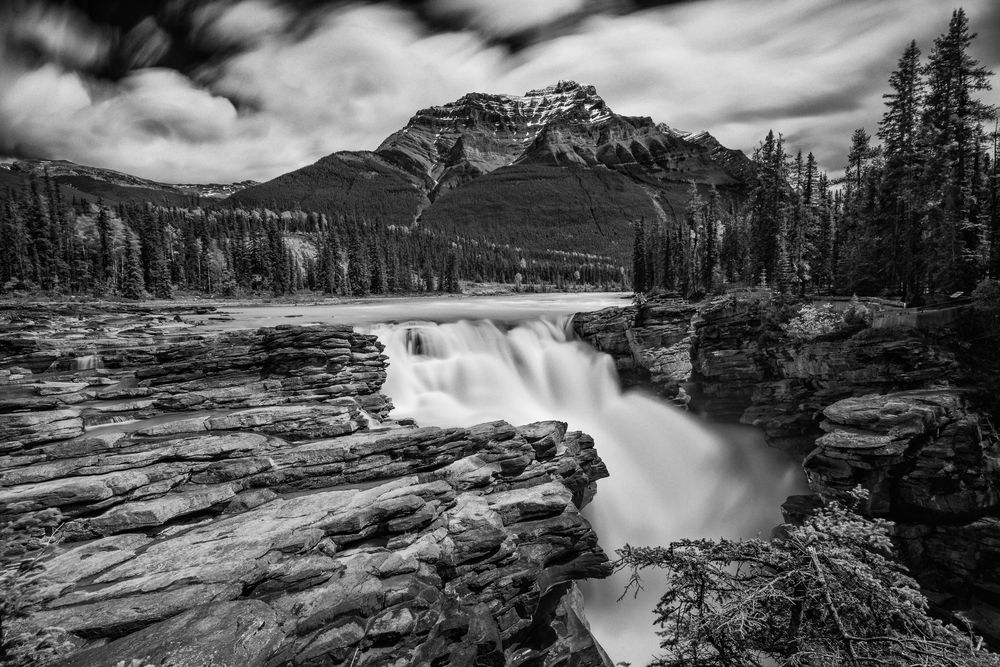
[671,477]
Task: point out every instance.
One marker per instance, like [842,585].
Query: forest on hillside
[139,250]
[916,213]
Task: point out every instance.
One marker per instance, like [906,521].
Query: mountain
[554,168]
[83,182]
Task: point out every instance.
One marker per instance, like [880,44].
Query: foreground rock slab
[243,498]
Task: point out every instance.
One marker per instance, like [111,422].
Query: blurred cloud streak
[288,85]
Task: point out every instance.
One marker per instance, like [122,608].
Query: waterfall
[671,477]
[88,362]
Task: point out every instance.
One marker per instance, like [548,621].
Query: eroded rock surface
[243,498]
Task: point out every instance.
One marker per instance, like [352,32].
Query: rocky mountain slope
[241,498]
[111,186]
[554,168]
[902,412]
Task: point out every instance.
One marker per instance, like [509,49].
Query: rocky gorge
[243,498]
[906,413]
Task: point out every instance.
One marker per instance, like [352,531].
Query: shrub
[23,543]
[824,593]
[813,322]
[986,296]
[857,314]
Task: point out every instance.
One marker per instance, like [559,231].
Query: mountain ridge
[555,166]
[120,186]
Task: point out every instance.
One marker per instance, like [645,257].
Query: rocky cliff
[901,412]
[242,498]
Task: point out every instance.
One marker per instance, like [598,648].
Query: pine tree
[952,129]
[640,281]
[451,271]
[768,205]
[826,251]
[800,232]
[359,271]
[858,270]
[900,196]
[133,286]
[993,187]
[106,261]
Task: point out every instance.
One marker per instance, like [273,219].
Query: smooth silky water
[671,475]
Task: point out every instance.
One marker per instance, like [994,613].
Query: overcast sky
[225,90]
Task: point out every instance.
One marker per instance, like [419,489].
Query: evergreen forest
[916,213]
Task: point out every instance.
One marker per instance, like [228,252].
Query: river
[459,362]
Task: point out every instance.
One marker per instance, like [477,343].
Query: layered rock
[897,411]
[243,498]
[926,454]
[649,344]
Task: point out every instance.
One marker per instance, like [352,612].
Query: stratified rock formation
[649,344]
[241,498]
[899,412]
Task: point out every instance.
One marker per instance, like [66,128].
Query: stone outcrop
[897,411]
[242,498]
[746,368]
[649,344]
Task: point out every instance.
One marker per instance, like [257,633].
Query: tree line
[140,250]
[915,214]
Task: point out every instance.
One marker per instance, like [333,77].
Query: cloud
[145,44]
[57,34]
[295,86]
[811,69]
[241,23]
[504,18]
[354,78]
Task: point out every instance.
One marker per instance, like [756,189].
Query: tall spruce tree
[640,277]
[858,270]
[900,195]
[952,127]
[133,285]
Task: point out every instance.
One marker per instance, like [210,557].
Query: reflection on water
[671,477]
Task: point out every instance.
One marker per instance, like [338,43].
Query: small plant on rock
[23,543]
[857,315]
[812,322]
[986,296]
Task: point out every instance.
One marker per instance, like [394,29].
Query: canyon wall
[902,412]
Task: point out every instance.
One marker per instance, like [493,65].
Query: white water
[88,362]
[670,476]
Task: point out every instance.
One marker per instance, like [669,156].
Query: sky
[186,91]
